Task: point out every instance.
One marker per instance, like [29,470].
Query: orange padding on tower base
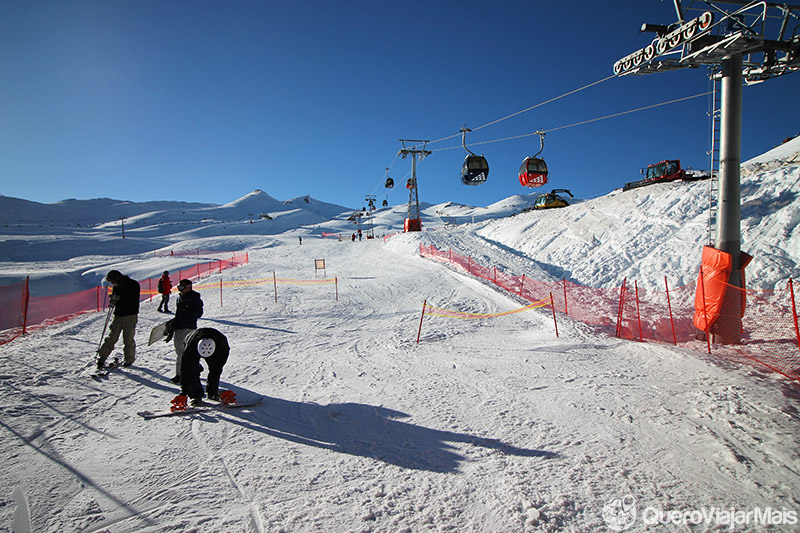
[712,283]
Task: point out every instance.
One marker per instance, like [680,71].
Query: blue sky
[206,101]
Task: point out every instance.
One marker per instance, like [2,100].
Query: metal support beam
[728,328]
[413,195]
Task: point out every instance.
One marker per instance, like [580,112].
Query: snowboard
[100,373]
[157,333]
[202,408]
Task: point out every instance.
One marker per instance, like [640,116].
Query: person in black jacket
[211,345]
[125,300]
[188,309]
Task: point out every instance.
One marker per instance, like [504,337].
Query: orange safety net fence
[20,312]
[769,331]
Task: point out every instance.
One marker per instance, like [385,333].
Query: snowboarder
[301,240]
[187,310]
[164,288]
[211,345]
[125,301]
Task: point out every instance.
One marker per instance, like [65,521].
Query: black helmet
[166,273]
[113,276]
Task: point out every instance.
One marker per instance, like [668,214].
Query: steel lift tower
[413,221]
[732,41]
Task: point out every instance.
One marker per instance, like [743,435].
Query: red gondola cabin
[533,172]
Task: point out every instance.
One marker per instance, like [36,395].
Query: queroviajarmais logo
[620,514]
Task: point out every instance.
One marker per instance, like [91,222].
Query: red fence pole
[336,283]
[275,285]
[638,313]
[220,292]
[553,306]
[794,313]
[419,331]
[25,299]
[150,289]
[620,308]
[705,307]
[669,306]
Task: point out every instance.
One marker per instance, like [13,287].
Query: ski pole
[105,326]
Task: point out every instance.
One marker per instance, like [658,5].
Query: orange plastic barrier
[770,335]
[20,312]
[715,271]
[712,285]
[13,304]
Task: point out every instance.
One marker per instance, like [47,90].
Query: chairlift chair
[533,171]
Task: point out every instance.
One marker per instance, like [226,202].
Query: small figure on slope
[164,288]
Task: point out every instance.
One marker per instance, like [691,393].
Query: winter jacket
[125,297]
[164,285]
[187,310]
[191,368]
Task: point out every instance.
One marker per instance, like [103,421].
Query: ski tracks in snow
[216,455]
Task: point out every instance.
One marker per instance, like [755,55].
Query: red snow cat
[669,170]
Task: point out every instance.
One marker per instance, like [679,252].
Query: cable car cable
[530,108]
[580,123]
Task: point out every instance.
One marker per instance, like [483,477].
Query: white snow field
[489,425]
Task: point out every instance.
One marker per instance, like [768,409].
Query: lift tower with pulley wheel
[413,221]
[737,50]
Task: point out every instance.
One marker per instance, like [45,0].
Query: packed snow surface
[493,425]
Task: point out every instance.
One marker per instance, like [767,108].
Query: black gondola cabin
[475,170]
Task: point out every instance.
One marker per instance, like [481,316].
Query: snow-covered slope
[486,425]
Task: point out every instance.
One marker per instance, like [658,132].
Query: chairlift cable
[383,180]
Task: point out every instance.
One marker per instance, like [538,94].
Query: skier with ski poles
[125,302]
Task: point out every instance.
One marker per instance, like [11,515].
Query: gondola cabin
[533,172]
[389,183]
[475,170]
